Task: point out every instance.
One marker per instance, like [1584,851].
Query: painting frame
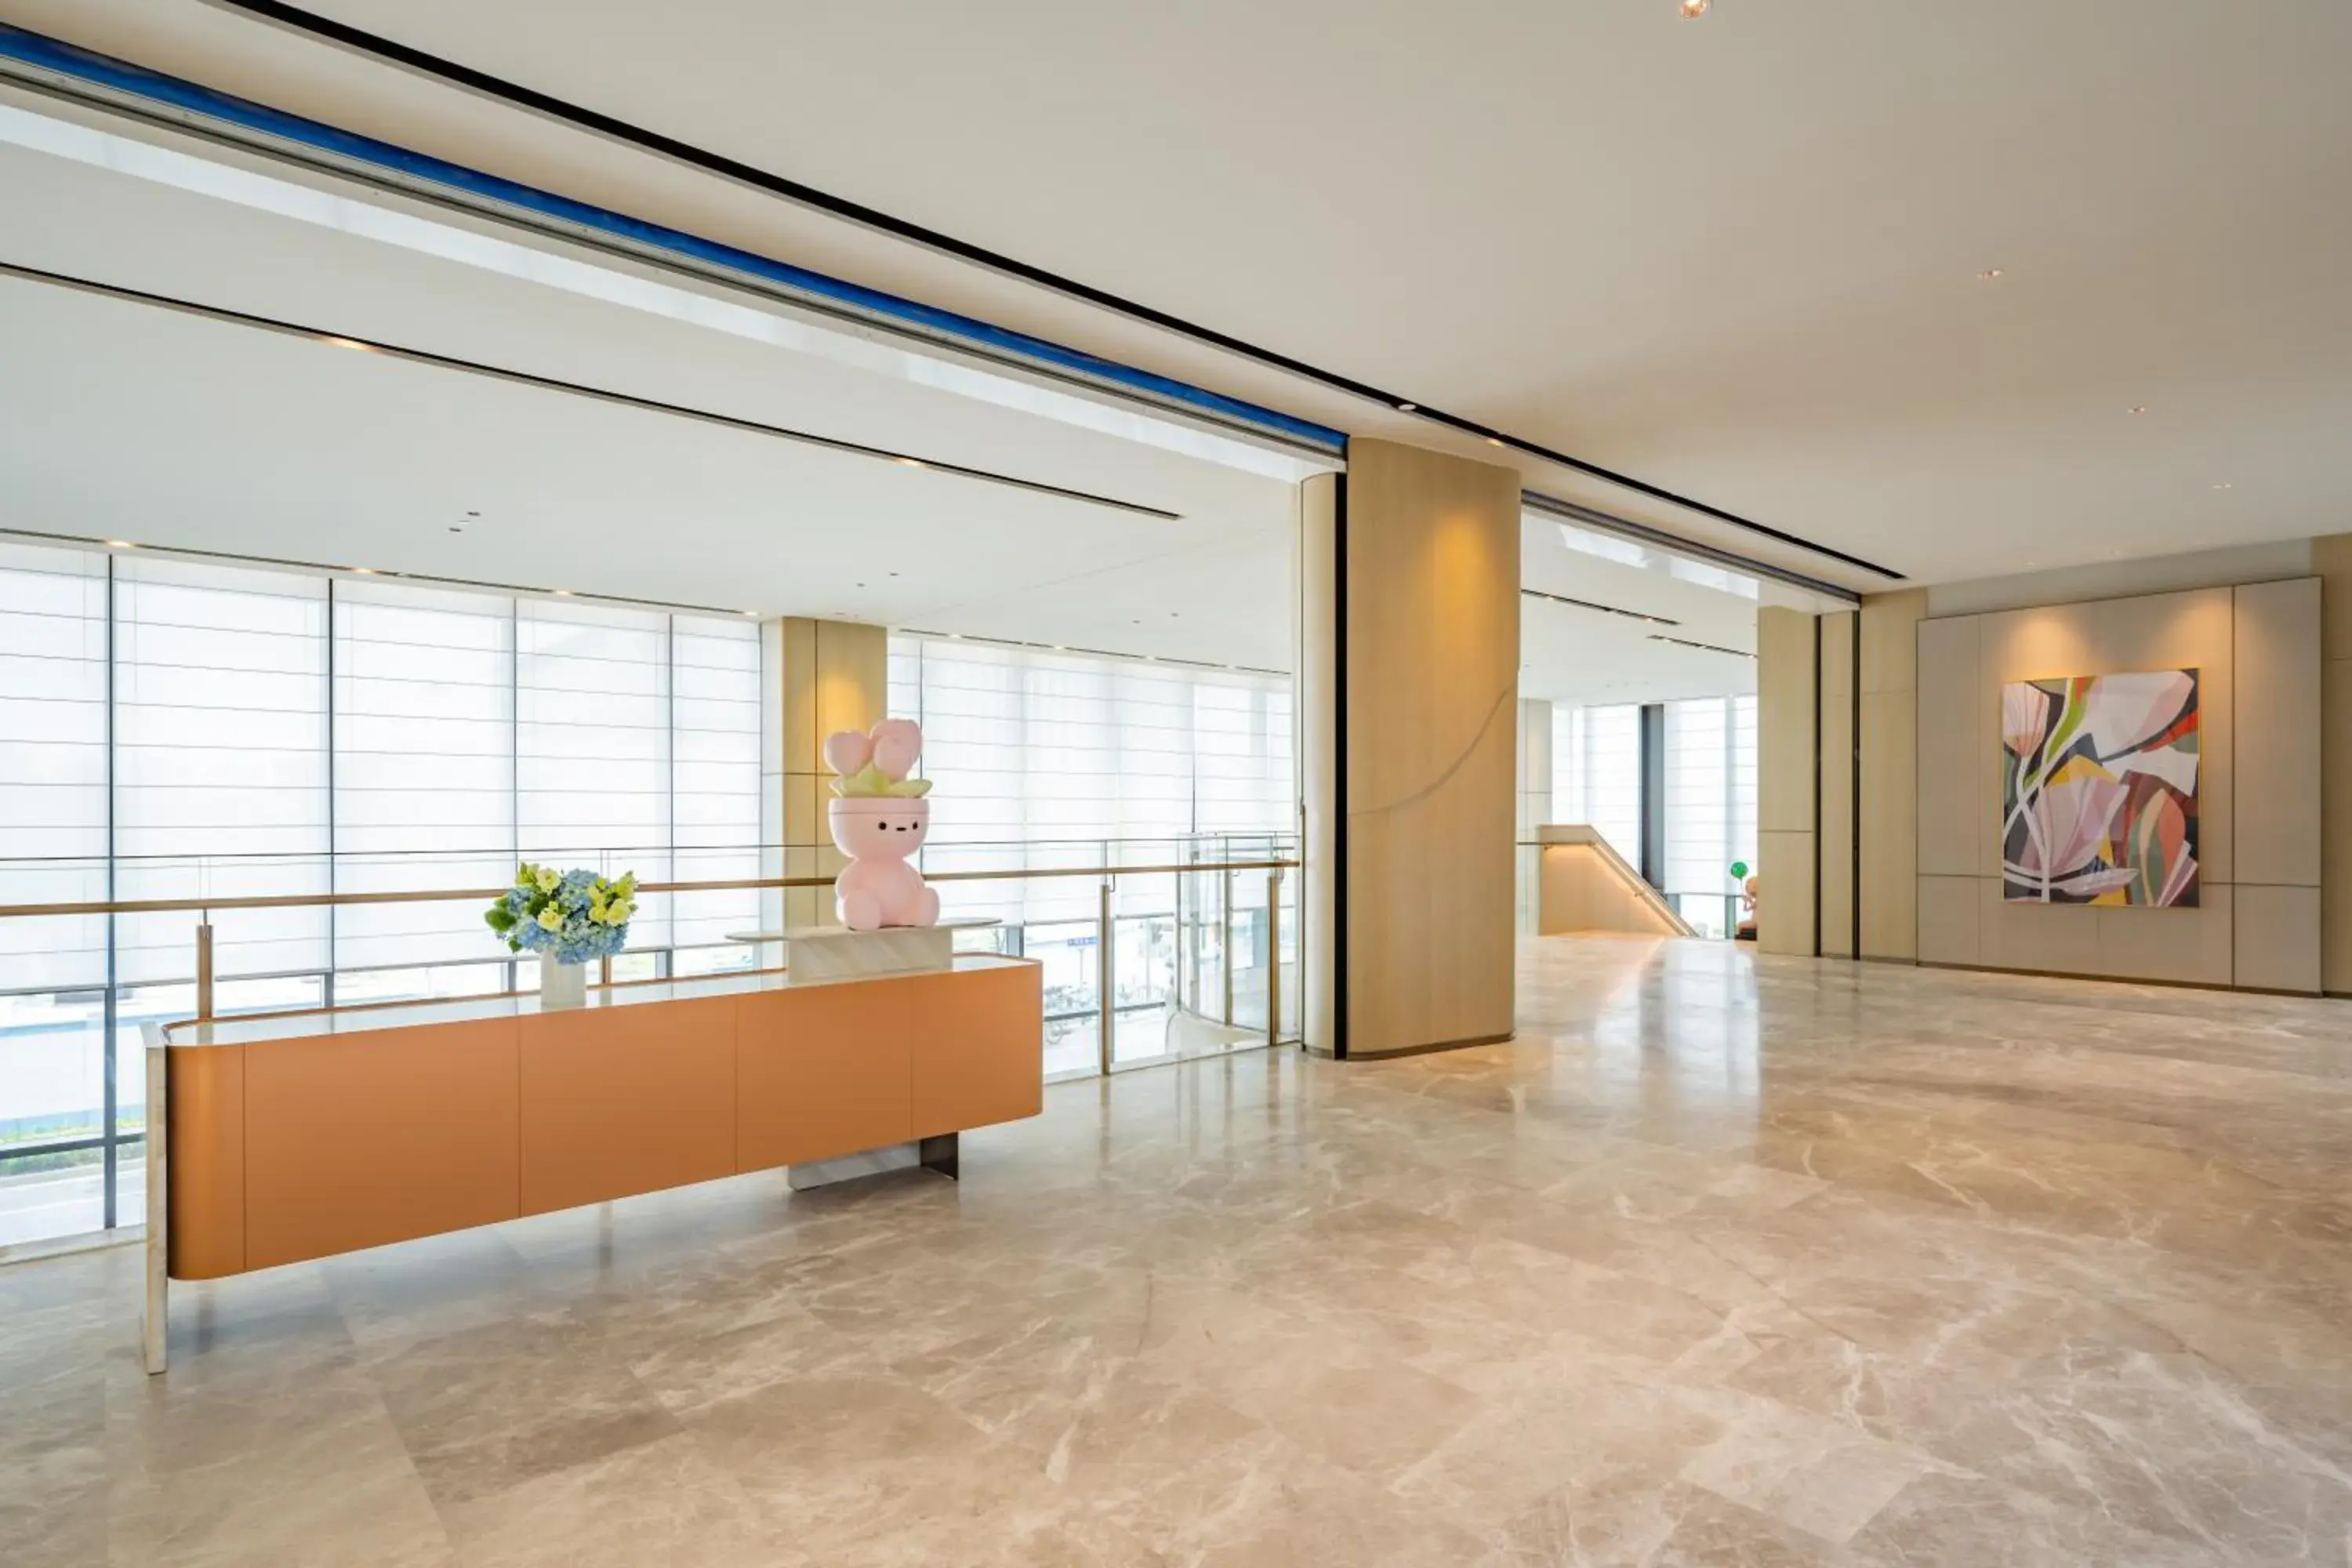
[2102,779]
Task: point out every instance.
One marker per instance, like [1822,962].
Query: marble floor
[1727,1259]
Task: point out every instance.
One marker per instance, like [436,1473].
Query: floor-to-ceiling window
[1044,759]
[1710,808]
[174,730]
[1596,759]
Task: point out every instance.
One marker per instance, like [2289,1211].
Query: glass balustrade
[1199,930]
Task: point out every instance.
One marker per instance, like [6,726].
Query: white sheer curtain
[220,762]
[593,746]
[1596,760]
[53,763]
[425,729]
[714,774]
[1710,798]
[1038,758]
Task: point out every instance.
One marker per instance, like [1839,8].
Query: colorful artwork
[2099,789]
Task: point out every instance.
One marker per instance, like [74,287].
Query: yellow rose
[548,880]
[551,919]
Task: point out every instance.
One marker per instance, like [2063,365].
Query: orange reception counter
[305,1134]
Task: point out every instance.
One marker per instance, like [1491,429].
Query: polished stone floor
[1724,1260]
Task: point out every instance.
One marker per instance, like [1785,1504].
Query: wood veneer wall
[821,675]
[1409,680]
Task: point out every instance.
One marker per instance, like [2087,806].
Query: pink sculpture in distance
[879,818]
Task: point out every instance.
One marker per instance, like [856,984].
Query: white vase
[560,984]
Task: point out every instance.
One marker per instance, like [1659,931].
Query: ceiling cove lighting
[1604,609]
[1702,647]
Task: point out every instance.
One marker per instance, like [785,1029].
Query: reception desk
[302,1135]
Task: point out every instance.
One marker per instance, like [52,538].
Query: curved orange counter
[303,1135]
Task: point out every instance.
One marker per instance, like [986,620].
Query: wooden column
[1787,754]
[1409,686]
[822,676]
[2331,561]
[1836,853]
[1889,808]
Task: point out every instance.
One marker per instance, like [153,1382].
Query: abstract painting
[2099,789]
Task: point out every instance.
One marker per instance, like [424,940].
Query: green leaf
[909,789]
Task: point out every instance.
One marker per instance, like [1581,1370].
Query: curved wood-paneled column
[1409,679]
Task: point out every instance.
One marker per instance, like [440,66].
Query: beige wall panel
[1785,739]
[1889,824]
[1784,892]
[2168,631]
[1839,672]
[2018,645]
[2274,764]
[2194,946]
[1433,657]
[1890,639]
[1952,725]
[2063,939]
[2277,938]
[1949,908]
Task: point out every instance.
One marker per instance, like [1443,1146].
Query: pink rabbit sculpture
[879,819]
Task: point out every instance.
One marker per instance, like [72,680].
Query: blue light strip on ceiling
[154,87]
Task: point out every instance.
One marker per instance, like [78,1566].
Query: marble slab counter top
[339,1021]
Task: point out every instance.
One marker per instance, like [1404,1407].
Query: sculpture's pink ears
[846,750]
[897,743]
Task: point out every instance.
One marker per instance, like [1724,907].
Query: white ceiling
[120,419]
[1736,256]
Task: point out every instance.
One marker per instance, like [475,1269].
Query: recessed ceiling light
[1694,9]
[364,571]
[752,613]
[911,462]
[2139,409]
[1493,440]
[121,544]
[2223,486]
[1407,407]
[1988,275]
[563,593]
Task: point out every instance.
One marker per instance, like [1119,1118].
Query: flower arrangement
[574,915]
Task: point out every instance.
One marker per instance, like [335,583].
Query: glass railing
[1200,933]
[1714,915]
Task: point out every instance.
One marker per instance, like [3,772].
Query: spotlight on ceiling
[1990,275]
[1694,9]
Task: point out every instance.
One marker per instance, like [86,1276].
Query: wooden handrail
[451,895]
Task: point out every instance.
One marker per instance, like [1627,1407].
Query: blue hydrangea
[575,915]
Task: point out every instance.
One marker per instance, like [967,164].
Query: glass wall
[174,730]
[1044,760]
